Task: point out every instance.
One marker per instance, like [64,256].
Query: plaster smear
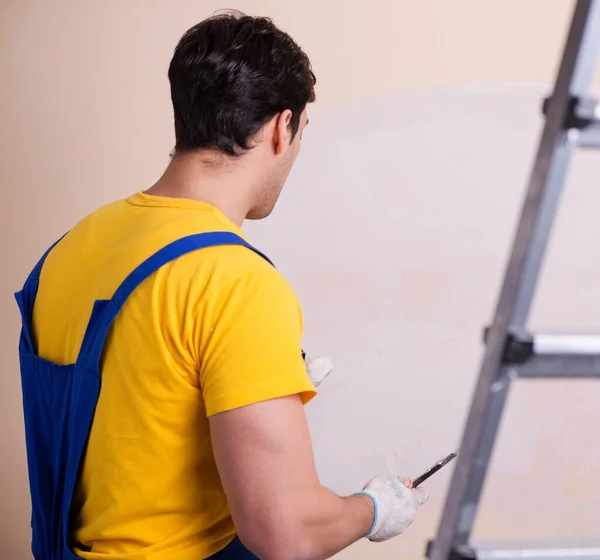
[394,229]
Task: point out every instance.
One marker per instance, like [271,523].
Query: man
[199,445]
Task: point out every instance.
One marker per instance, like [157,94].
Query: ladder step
[555,356]
[577,355]
[559,367]
[566,344]
[559,553]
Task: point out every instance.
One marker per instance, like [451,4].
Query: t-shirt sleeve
[253,344]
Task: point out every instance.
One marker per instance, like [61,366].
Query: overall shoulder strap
[105,311]
[26,300]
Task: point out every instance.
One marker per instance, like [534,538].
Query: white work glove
[318,369]
[396,506]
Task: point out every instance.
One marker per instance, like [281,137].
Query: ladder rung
[557,366]
[567,344]
[572,553]
[561,349]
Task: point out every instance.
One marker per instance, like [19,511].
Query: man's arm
[280,510]
[254,382]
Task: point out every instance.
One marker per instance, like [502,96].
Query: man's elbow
[277,543]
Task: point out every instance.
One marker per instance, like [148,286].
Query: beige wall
[85,116]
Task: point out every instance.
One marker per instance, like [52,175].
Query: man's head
[240,87]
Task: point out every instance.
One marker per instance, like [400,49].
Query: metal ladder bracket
[580,113]
[583,115]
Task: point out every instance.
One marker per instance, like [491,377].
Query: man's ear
[282,137]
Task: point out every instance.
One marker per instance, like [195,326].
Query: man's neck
[216,183]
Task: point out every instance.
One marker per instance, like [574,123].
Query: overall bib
[59,402]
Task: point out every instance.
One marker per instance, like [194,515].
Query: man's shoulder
[232,267]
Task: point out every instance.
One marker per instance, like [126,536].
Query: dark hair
[230,74]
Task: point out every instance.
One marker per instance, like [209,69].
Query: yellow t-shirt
[216,329]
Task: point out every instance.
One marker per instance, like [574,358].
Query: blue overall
[59,403]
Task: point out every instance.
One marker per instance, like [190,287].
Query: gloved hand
[318,369]
[396,506]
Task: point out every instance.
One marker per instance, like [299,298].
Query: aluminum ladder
[511,353]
